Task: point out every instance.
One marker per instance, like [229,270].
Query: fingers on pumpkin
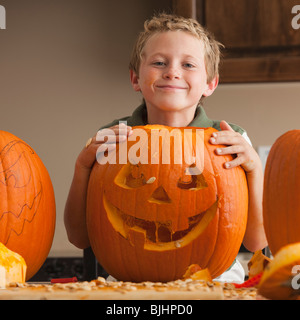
[234,163]
[226,138]
[235,149]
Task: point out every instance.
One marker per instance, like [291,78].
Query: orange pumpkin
[280,278]
[281,205]
[27,204]
[151,221]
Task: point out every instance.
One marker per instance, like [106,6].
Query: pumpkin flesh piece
[12,267]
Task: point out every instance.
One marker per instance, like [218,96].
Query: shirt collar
[139,117]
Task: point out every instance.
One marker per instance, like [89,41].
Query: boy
[174,65]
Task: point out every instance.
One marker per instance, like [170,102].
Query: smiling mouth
[158,235]
[168,87]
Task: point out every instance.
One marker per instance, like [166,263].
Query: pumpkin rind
[281,205]
[130,252]
[27,203]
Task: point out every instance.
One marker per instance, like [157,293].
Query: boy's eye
[158,63]
[188,65]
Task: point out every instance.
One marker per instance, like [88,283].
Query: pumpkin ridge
[235,237]
[217,213]
[293,169]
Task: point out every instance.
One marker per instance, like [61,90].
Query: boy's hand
[246,156]
[119,133]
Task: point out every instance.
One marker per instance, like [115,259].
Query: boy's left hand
[246,156]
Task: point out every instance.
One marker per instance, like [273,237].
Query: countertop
[100,289]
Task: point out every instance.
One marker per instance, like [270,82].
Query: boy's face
[172,73]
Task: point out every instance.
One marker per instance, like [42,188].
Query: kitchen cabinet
[261,37]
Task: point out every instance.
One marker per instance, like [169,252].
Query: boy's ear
[211,86]
[134,79]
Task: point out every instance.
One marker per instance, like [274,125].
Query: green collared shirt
[139,118]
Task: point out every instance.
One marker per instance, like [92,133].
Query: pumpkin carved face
[169,229]
[151,221]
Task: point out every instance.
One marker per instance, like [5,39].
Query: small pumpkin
[280,278]
[12,267]
[281,205]
[150,221]
[27,203]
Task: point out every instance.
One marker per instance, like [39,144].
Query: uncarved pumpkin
[281,205]
[151,221]
[27,204]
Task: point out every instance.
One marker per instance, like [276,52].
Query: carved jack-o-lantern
[27,204]
[151,221]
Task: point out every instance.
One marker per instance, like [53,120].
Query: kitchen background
[64,73]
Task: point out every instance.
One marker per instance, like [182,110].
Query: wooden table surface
[110,290]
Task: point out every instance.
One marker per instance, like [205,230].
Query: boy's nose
[172,73]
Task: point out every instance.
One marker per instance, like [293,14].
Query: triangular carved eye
[160,195]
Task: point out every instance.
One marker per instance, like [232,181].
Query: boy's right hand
[87,156]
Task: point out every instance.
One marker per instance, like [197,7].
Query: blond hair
[169,22]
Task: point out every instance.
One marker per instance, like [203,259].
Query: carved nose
[160,196]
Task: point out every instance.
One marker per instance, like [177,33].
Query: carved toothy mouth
[158,235]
